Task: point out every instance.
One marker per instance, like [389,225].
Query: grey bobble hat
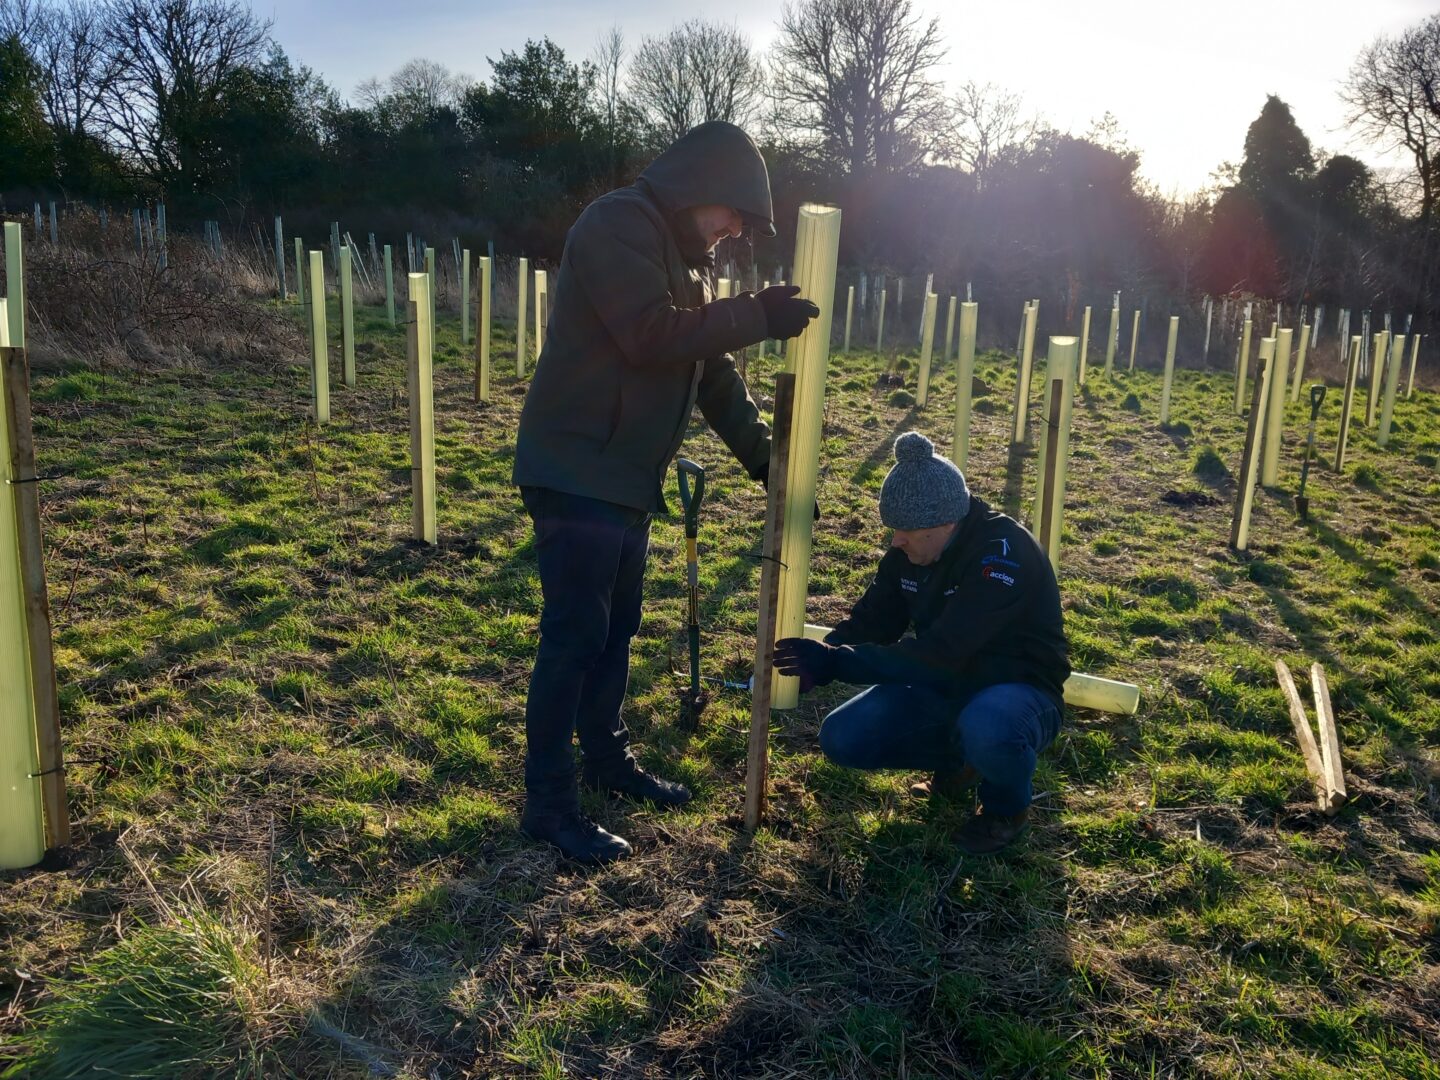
[922,489]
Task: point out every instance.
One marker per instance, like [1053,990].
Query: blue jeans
[591,556]
[999,731]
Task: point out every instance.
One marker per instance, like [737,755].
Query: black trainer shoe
[576,836]
[985,834]
[952,784]
[637,784]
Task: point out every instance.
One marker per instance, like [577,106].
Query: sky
[1183,80]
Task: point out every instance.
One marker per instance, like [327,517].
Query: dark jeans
[999,731]
[592,567]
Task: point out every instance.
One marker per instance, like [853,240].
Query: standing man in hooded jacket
[635,341]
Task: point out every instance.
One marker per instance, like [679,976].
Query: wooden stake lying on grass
[1329,740]
[1309,749]
[758,759]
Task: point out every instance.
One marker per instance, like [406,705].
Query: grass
[246,640]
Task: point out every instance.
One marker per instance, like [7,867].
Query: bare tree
[699,71]
[986,121]
[1393,97]
[855,75]
[69,43]
[175,61]
[608,59]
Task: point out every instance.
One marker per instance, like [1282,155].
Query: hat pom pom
[912,446]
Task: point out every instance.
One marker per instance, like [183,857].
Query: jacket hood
[715,163]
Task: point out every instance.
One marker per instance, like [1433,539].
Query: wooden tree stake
[1329,739]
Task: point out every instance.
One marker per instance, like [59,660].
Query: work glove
[809,661]
[763,475]
[785,313]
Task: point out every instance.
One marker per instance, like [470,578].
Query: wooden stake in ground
[817,247]
[1169,370]
[1249,471]
[927,349]
[1347,407]
[319,341]
[1392,386]
[524,286]
[1304,736]
[1329,739]
[1054,459]
[1275,410]
[1242,369]
[25,631]
[482,334]
[964,380]
[757,764]
[1022,372]
[420,345]
[347,316]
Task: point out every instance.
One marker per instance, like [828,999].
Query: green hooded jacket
[635,339]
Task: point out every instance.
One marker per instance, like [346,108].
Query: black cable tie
[766,558]
[47,772]
[37,479]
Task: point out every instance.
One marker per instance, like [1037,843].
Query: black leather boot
[635,782]
[576,836]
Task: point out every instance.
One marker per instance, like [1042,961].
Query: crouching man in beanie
[977,692]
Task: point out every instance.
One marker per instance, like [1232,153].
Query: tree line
[193,102]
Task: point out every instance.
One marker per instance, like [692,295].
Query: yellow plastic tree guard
[300,271]
[927,349]
[1047,520]
[319,342]
[465,296]
[420,386]
[880,325]
[1275,409]
[817,247]
[1242,369]
[482,334]
[389,286]
[347,316]
[849,317]
[1113,338]
[1134,337]
[1414,356]
[1022,373]
[1347,407]
[1250,460]
[1084,344]
[15,282]
[1392,386]
[1377,364]
[964,380]
[1301,349]
[542,294]
[949,330]
[1169,370]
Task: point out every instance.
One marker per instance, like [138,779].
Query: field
[295,743]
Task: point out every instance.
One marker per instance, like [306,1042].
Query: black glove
[809,661]
[785,313]
[764,477]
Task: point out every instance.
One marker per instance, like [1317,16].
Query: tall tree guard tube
[1300,352]
[949,330]
[1169,370]
[1414,356]
[1347,407]
[420,344]
[1275,409]
[465,296]
[880,326]
[431,287]
[1134,338]
[524,286]
[319,342]
[279,257]
[1084,343]
[1054,459]
[482,334]
[849,317]
[927,349]
[15,283]
[1242,368]
[817,246]
[389,286]
[1392,386]
[964,379]
[300,271]
[347,315]
[1113,337]
[1022,372]
[1249,469]
[1382,345]
[542,294]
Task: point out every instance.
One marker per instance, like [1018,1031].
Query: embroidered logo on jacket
[995,574]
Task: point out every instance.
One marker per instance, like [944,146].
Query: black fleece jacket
[987,612]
